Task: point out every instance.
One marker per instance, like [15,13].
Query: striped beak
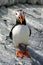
[20,18]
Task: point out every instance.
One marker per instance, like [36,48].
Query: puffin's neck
[23,22]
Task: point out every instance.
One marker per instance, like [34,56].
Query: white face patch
[18,14]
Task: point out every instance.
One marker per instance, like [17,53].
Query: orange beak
[20,19]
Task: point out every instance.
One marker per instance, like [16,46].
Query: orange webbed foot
[19,53]
[26,54]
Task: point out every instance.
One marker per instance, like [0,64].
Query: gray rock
[10,2]
[41,1]
[3,2]
[22,1]
[35,1]
[32,1]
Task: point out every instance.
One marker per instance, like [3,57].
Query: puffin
[20,33]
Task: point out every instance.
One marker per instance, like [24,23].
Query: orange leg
[25,53]
[18,52]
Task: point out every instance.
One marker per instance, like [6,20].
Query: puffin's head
[20,15]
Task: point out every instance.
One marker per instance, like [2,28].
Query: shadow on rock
[35,55]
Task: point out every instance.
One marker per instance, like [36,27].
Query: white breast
[20,34]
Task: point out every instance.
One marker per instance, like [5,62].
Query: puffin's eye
[19,17]
[16,13]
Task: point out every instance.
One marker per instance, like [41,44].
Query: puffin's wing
[10,34]
[30,31]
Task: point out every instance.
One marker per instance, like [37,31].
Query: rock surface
[34,19]
[41,1]
[3,2]
[32,1]
[11,2]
